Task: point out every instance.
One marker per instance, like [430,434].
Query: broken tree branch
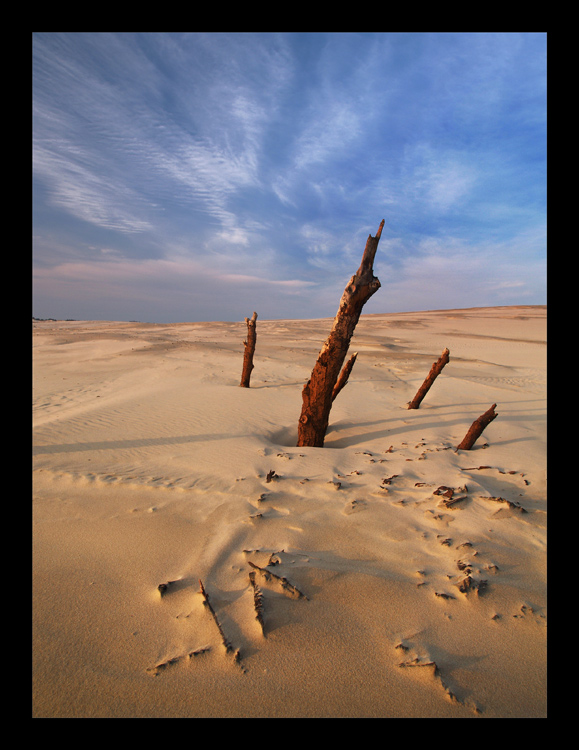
[477,428]
[344,375]
[435,371]
[317,394]
[249,350]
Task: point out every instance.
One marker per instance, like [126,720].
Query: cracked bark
[249,350]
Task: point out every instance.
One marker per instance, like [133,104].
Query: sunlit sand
[392,575]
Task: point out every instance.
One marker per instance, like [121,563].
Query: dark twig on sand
[228,647]
[287,587]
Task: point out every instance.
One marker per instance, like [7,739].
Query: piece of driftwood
[257,601]
[433,666]
[287,587]
[447,497]
[207,603]
[477,428]
[344,375]
[416,662]
[435,371]
[451,501]
[317,393]
[509,503]
[158,668]
[249,345]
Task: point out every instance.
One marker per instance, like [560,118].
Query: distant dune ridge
[190,561]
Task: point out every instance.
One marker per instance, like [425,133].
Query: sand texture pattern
[190,561]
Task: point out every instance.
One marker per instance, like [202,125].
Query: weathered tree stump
[249,350]
[435,371]
[317,394]
[477,428]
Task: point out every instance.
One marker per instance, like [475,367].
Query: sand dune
[384,575]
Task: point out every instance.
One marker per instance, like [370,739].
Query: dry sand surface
[389,599]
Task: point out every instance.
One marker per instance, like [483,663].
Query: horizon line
[326,317]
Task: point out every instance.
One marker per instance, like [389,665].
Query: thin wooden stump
[435,371]
[249,350]
[317,394]
[477,428]
[344,375]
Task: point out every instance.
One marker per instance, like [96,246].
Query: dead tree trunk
[477,428]
[249,350]
[435,371]
[318,391]
[344,375]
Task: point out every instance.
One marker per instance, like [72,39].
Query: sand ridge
[421,569]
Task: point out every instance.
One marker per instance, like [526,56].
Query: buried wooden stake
[435,371]
[249,350]
[477,428]
[317,393]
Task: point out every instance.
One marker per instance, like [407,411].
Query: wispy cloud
[449,273]
[81,191]
[184,284]
[275,160]
[440,180]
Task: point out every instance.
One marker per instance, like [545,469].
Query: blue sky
[189,176]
